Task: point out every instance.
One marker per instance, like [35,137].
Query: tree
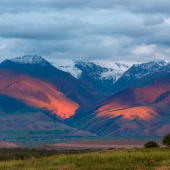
[151,144]
[166,140]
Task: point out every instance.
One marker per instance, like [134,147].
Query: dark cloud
[136,6]
[44,29]
[153,20]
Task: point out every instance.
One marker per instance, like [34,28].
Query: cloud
[153,20]
[135,6]
[38,26]
[167,21]
[122,30]
[143,50]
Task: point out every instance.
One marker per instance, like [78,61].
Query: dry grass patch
[162,168]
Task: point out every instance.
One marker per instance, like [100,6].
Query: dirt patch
[98,144]
[4,144]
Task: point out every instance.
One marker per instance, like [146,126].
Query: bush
[166,140]
[151,144]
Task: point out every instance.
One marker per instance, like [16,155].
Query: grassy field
[121,159]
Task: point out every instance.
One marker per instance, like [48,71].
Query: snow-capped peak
[30,59]
[152,63]
[67,66]
[141,70]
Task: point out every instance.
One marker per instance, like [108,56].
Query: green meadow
[120,159]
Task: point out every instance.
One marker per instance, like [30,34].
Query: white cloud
[167,21]
[144,49]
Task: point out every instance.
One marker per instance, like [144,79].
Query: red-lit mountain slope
[133,111]
[36,93]
[132,97]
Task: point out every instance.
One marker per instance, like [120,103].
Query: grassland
[120,159]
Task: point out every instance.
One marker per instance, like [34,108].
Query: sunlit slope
[19,122]
[36,93]
[133,111]
[133,97]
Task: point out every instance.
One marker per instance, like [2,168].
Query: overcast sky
[118,30]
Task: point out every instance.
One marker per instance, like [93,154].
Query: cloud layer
[86,30]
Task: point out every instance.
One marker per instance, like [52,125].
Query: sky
[112,30]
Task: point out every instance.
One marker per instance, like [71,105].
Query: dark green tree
[166,140]
[151,144]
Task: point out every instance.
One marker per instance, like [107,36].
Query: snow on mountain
[103,70]
[31,59]
[113,65]
[140,70]
[115,70]
[98,69]
[67,66]
[110,74]
[106,70]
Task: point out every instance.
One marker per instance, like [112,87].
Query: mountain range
[98,76]
[133,111]
[57,98]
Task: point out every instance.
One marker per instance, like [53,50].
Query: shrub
[166,140]
[151,144]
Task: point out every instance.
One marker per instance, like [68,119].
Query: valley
[84,85]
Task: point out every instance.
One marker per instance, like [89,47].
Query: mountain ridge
[71,66]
